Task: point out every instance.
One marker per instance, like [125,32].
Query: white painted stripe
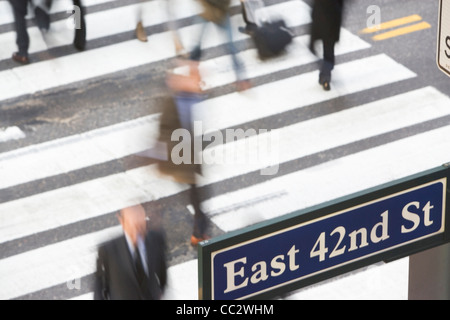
[93,198]
[182,283]
[55,264]
[74,259]
[79,151]
[101,24]
[218,72]
[376,282]
[324,133]
[25,222]
[333,179]
[94,63]
[86,200]
[52,265]
[11,133]
[84,297]
[6,14]
[137,135]
[299,91]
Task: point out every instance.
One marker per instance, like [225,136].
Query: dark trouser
[20,12]
[185,101]
[328,62]
[200,219]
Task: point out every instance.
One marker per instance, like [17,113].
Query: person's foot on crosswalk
[141,35]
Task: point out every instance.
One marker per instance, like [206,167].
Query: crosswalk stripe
[100,24]
[286,94]
[54,264]
[219,71]
[316,185]
[324,133]
[334,179]
[51,203]
[63,206]
[79,151]
[51,265]
[101,145]
[6,14]
[370,283]
[102,61]
[112,193]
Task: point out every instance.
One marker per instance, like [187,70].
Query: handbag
[223,5]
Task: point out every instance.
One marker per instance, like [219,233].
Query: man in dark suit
[326,26]
[133,266]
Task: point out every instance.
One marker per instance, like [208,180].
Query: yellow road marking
[402,31]
[392,24]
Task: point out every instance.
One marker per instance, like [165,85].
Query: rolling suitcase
[271,35]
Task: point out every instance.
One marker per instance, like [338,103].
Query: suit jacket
[116,277]
[327,20]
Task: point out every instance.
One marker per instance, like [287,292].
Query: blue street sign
[280,257]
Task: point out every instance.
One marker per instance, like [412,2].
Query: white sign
[443,50]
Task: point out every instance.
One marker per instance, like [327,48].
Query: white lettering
[260,272]
[384,229]
[292,265]
[277,265]
[427,213]
[231,275]
[353,235]
[411,216]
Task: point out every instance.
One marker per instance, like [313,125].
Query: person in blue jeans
[217,12]
[187,92]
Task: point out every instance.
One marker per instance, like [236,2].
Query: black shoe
[324,81]
[249,29]
[196,54]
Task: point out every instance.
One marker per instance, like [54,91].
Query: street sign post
[443,43]
[278,256]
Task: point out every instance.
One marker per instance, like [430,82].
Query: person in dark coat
[326,26]
[133,266]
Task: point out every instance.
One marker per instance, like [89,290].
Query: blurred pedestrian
[133,266]
[326,26]
[42,18]
[217,12]
[187,91]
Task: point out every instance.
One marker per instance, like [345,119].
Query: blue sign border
[210,250]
